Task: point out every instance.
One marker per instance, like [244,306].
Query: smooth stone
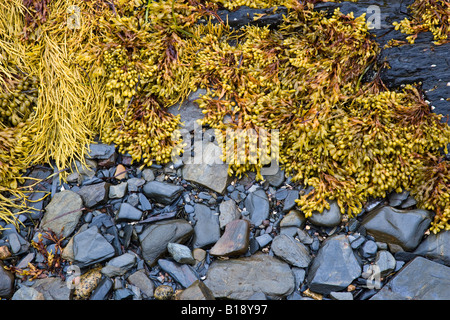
[436,247]
[180,253]
[162,192]
[402,227]
[84,172]
[396,198]
[206,229]
[257,204]
[6,282]
[134,184]
[293,252]
[119,265]
[143,282]
[241,278]
[199,254]
[154,239]
[420,279]
[100,151]
[128,213]
[234,241]
[356,240]
[304,237]
[133,200]
[328,218]
[289,202]
[145,204]
[53,288]
[148,175]
[334,267]
[121,172]
[228,212]
[17,243]
[94,194]
[27,293]
[294,218]
[275,180]
[299,274]
[264,239]
[163,292]
[102,290]
[211,172]
[385,263]
[118,191]
[196,291]
[123,294]
[63,213]
[90,247]
[409,202]
[182,273]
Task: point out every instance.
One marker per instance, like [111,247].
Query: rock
[289,201]
[199,254]
[246,16]
[121,172]
[228,212]
[134,184]
[53,288]
[118,266]
[328,218]
[396,198]
[163,292]
[420,279]
[90,247]
[368,249]
[162,192]
[148,175]
[6,282]
[180,253]
[102,290]
[27,293]
[304,237]
[94,194]
[402,227]
[4,253]
[206,229]
[334,267]
[123,294]
[264,239]
[189,110]
[101,151]
[341,295]
[196,291]
[88,282]
[211,172]
[385,263]
[356,240]
[85,172]
[276,179]
[294,218]
[145,204]
[63,213]
[143,282]
[17,243]
[234,241]
[436,247]
[257,204]
[118,191]
[241,278]
[409,202]
[293,252]
[128,213]
[182,273]
[154,239]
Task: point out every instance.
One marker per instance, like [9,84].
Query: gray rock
[257,204]
[341,295]
[241,278]
[234,241]
[299,274]
[356,240]
[402,227]
[304,237]
[162,192]
[228,212]
[294,218]
[148,175]
[385,263]
[6,282]
[289,202]
[327,218]
[293,252]
[94,194]
[143,282]
[27,293]
[334,267]
[420,279]
[180,253]
[396,198]
[100,151]
[368,249]
[84,172]
[182,273]
[189,110]
[436,247]
[134,184]
[102,290]
[409,202]
[90,247]
[206,229]
[63,213]
[119,265]
[145,204]
[53,288]
[211,172]
[264,239]
[128,213]
[276,179]
[118,191]
[154,239]
[196,291]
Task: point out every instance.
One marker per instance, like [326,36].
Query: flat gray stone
[180,253]
[436,247]
[128,213]
[53,288]
[143,282]
[90,247]
[206,229]
[162,192]
[119,265]
[293,252]
[94,194]
[182,273]
[27,293]
[228,212]
[257,204]
[118,191]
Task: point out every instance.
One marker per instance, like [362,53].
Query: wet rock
[101,151]
[245,16]
[143,282]
[289,202]
[119,265]
[402,227]
[368,249]
[88,282]
[163,292]
[436,247]
[94,194]
[420,279]
[180,253]
[341,295]
[294,218]
[228,212]
[118,191]
[211,172]
[128,213]
[102,290]
[264,239]
[63,213]
[328,218]
[189,110]
[385,263]
[27,293]
[243,277]
[234,241]
[134,184]
[293,252]
[196,291]
[145,204]
[275,180]
[257,204]
[396,198]
[334,267]
[90,247]
[154,239]
[53,288]
[162,192]
[182,273]
[6,282]
[206,229]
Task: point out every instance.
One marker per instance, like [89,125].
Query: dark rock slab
[94,194]
[6,282]
[334,267]
[328,217]
[241,278]
[119,265]
[402,227]
[234,241]
[128,213]
[257,204]
[182,273]
[101,151]
[436,247]
[162,192]
[90,247]
[293,252]
[143,282]
[206,229]
[102,290]
[420,279]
